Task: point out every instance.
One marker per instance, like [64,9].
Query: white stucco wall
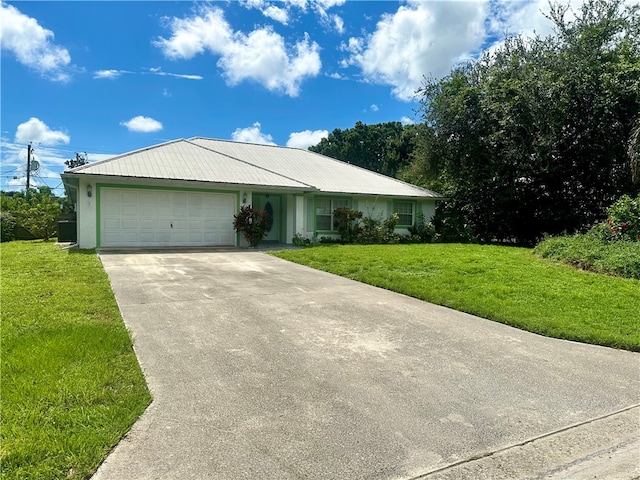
[86,214]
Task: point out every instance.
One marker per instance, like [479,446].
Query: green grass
[71,384]
[592,253]
[505,284]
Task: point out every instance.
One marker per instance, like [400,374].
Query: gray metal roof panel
[325,173]
[184,160]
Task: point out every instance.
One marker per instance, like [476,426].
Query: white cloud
[338,23]
[421,38]
[269,10]
[252,135]
[109,74]
[261,55]
[142,124]
[329,21]
[113,74]
[36,131]
[327,4]
[374,107]
[158,71]
[407,121]
[306,138]
[32,44]
[282,11]
[338,76]
[276,13]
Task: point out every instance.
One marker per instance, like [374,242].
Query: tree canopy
[384,147]
[35,210]
[537,136]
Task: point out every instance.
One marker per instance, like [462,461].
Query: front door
[271,204]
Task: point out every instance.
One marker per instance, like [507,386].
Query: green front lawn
[71,384]
[505,284]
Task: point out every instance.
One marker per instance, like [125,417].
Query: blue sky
[109,77]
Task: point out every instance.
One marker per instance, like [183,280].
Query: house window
[405,211]
[324,212]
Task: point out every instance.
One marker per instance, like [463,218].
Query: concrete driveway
[263,369]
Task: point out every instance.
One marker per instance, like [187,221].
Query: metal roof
[324,173]
[227,162]
[183,160]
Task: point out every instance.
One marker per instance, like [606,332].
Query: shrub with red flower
[624,219]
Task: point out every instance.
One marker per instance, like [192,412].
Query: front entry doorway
[272,204]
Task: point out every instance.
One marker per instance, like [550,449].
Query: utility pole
[28,167]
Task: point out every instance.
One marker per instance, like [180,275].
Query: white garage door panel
[131,217]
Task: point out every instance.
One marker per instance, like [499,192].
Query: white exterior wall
[86,214]
[300,227]
[373,207]
[428,210]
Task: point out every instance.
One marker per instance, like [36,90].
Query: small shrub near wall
[347,222]
[356,228]
[252,223]
[422,231]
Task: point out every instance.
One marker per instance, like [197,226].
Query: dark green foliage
[384,148]
[7,226]
[535,137]
[347,222]
[252,223]
[422,231]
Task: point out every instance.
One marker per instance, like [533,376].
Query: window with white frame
[324,212]
[406,212]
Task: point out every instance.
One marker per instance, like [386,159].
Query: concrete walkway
[263,369]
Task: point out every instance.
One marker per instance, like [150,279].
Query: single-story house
[186,192]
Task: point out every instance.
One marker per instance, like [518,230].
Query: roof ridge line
[126,154]
[248,163]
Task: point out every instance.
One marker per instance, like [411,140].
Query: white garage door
[132,218]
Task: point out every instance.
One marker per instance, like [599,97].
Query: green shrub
[624,219]
[300,241]
[591,252]
[375,231]
[421,231]
[347,222]
[7,227]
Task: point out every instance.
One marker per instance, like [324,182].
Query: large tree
[535,136]
[384,147]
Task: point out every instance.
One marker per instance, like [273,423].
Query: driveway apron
[264,369]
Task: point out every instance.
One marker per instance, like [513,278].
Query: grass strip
[505,284]
[71,384]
